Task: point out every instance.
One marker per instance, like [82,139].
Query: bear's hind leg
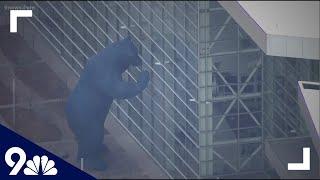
[90,145]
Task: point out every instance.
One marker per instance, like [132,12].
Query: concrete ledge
[274,44]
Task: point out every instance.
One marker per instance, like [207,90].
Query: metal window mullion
[185,69]
[23,104]
[234,141]
[262,108]
[238,93]
[230,97]
[232,52]
[231,129]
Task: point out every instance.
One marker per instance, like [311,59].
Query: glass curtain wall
[164,118]
[231,112]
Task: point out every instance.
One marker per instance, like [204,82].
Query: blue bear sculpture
[89,103]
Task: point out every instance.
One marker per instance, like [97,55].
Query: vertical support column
[168,94]
[267,94]
[205,94]
[262,108]
[238,98]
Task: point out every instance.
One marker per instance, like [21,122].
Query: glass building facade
[214,96]
[281,107]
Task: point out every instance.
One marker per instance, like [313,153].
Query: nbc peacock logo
[44,164]
[35,166]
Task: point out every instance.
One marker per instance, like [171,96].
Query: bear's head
[125,53]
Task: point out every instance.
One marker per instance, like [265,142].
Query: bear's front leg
[124,90]
[143,79]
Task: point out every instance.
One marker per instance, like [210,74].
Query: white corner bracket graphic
[305,165]
[14,14]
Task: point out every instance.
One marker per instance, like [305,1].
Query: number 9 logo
[16,165]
